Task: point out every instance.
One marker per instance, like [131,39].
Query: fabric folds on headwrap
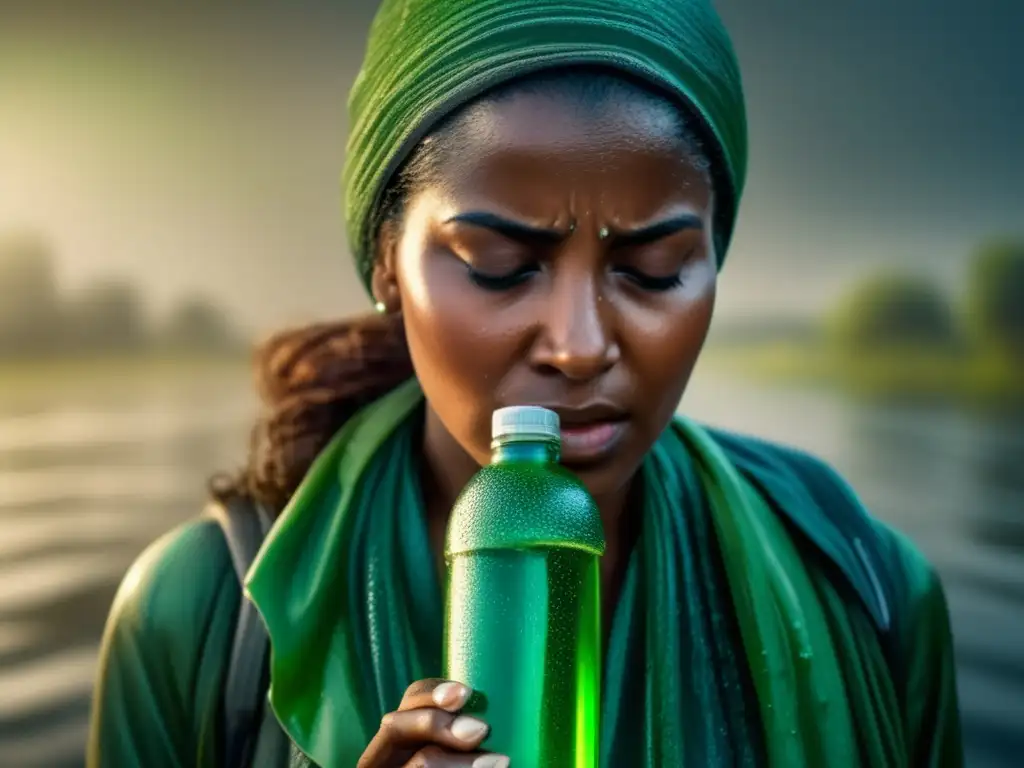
[427,58]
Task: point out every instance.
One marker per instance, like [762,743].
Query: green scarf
[346,585]
[426,58]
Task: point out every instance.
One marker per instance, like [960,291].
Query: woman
[539,197]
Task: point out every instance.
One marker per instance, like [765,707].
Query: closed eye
[651,282]
[502,282]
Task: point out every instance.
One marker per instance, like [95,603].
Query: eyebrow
[657,230]
[514,230]
[517,230]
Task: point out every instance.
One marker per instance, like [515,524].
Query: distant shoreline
[971,378]
[984,380]
[29,376]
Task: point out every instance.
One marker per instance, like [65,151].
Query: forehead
[532,152]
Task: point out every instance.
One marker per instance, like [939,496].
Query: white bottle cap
[525,421]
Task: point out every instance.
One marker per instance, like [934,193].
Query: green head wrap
[427,58]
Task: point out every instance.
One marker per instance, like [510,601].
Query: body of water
[87,479]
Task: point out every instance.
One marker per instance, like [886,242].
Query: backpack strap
[245,525]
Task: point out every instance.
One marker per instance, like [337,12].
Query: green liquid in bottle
[523,614]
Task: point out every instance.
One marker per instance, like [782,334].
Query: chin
[603,479]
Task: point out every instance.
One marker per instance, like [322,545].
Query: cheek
[663,346]
[460,353]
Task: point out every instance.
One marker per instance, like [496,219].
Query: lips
[590,433]
[590,413]
[590,443]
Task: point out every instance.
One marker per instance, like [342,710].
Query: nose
[577,339]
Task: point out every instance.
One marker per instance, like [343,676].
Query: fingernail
[449,694]
[465,728]
[491,761]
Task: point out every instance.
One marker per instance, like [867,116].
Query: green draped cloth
[765,618]
[426,58]
[346,585]
[752,628]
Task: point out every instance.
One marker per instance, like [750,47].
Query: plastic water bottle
[523,613]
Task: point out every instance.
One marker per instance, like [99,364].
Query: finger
[412,729]
[435,757]
[448,695]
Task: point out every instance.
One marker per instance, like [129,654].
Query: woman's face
[565,260]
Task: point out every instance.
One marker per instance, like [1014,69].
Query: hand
[427,731]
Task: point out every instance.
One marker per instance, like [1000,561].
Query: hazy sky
[200,149]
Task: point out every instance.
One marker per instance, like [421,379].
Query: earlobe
[384,278]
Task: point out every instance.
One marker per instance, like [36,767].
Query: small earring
[602,233]
[380,308]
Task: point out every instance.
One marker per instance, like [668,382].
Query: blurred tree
[995,296]
[893,311]
[107,316]
[29,304]
[197,323]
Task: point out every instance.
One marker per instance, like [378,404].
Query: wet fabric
[353,617]
[426,58]
[348,589]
